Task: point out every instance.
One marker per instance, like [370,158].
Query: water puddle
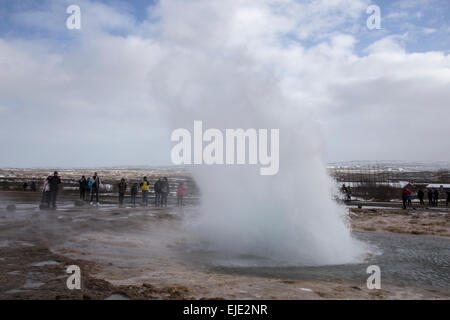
[30,284]
[15,291]
[14,244]
[45,263]
[14,273]
[117,296]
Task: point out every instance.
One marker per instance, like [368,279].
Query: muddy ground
[132,253]
[419,220]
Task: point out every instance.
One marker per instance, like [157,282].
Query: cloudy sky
[111,93]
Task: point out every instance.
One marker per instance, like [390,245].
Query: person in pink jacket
[180,194]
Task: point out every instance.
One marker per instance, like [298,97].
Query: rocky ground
[420,220]
[31,271]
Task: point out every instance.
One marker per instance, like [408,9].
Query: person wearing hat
[54,182]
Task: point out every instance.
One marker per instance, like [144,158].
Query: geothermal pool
[415,260]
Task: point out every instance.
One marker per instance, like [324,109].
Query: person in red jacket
[405,193]
[180,194]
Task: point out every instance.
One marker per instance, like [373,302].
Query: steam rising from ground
[290,217]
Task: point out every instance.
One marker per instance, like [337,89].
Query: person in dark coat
[87,189]
[435,197]
[164,191]
[134,191]
[430,197]
[54,182]
[157,188]
[420,195]
[82,182]
[448,196]
[346,192]
[25,186]
[122,189]
[33,186]
[95,187]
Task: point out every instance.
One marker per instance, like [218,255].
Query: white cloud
[397,15]
[428,31]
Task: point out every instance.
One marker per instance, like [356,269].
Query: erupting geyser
[289,217]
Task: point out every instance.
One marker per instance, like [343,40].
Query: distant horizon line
[171,166]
